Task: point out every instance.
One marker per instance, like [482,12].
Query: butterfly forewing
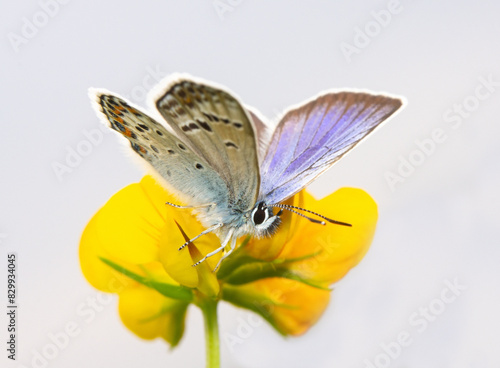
[220,129]
[186,174]
[311,138]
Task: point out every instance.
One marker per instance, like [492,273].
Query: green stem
[209,310]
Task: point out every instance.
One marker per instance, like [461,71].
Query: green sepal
[176,330]
[168,290]
[248,269]
[237,258]
[254,302]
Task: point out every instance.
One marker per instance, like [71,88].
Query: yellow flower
[308,257]
[130,247]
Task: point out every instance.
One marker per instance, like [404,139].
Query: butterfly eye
[259,215]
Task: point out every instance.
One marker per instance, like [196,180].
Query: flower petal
[97,273]
[290,306]
[269,248]
[128,226]
[125,230]
[338,248]
[150,315]
[208,285]
[179,263]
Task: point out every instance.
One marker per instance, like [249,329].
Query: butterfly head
[264,221]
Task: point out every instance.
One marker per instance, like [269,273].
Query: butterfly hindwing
[311,138]
[186,174]
[220,130]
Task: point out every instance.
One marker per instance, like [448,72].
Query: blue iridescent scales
[311,138]
[216,155]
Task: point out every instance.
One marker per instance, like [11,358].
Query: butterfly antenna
[289,208]
[298,213]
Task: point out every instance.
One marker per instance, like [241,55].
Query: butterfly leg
[233,245]
[221,248]
[209,230]
[186,207]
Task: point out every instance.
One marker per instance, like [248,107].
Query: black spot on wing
[118,125]
[230,144]
[189,127]
[139,149]
[109,100]
[117,115]
[123,103]
[208,116]
[204,125]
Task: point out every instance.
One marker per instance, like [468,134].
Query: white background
[438,224]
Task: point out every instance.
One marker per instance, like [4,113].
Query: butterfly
[222,159]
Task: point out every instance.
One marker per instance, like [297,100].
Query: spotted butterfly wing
[309,139]
[220,130]
[186,173]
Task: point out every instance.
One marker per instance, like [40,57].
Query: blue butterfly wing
[310,138]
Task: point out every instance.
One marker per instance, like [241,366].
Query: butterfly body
[215,155]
